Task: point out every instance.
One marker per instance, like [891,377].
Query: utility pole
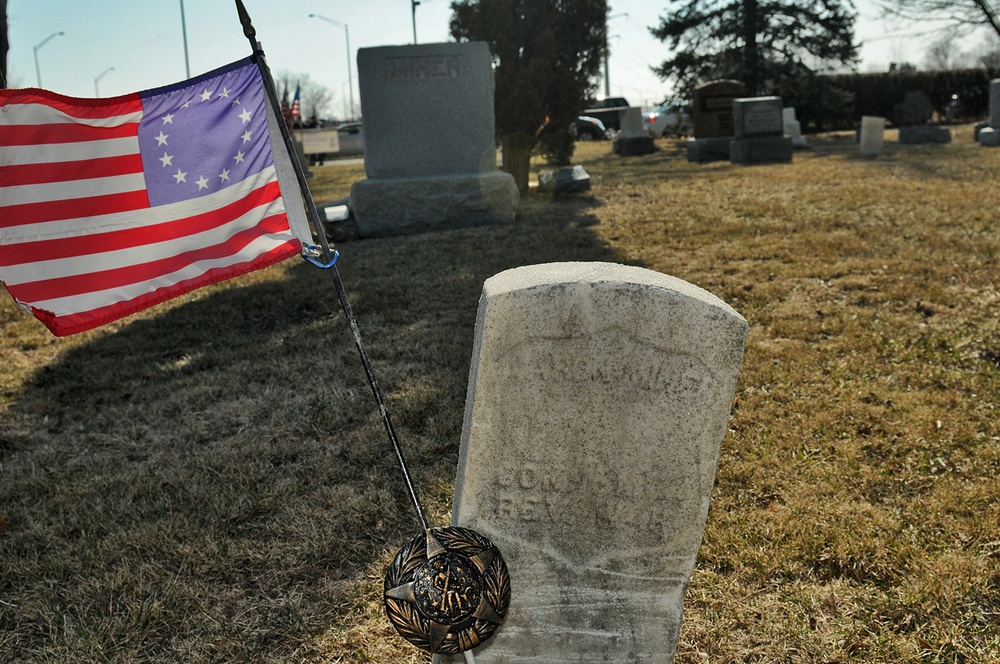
[413,10]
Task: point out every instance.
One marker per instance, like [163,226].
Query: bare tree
[964,15]
[315,99]
[942,55]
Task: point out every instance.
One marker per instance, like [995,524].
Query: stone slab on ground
[564,180]
[922,134]
[763,150]
[630,146]
[702,150]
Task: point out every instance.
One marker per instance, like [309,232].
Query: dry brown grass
[209,481]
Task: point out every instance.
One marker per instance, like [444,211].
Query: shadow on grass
[213,482]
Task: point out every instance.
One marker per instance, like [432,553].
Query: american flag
[295,104]
[110,206]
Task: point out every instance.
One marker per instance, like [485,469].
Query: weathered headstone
[712,119]
[990,136]
[599,395]
[430,155]
[793,128]
[872,136]
[633,139]
[759,132]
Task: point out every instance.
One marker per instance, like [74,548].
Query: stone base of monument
[761,150]
[400,206]
[920,134]
[989,137]
[629,146]
[701,150]
[564,180]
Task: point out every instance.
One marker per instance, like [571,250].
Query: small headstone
[599,395]
[633,139]
[759,132]
[631,122]
[712,119]
[564,180]
[792,127]
[995,103]
[430,155]
[872,136]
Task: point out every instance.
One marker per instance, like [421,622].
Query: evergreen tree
[773,46]
[547,57]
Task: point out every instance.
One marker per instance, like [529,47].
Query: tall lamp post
[38,70]
[347,39]
[184,35]
[607,68]
[97,92]
[413,11]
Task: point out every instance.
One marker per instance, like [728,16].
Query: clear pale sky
[142,41]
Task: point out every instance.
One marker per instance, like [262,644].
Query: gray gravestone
[633,138]
[430,155]
[872,136]
[990,136]
[793,128]
[599,396]
[759,132]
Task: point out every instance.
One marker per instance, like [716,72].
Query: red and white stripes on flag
[109,206]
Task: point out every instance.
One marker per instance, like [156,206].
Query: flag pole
[329,255]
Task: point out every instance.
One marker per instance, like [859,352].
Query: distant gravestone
[793,128]
[632,139]
[911,116]
[872,136]
[712,119]
[599,395]
[759,132]
[990,136]
[430,155]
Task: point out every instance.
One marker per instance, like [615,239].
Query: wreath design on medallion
[447,590]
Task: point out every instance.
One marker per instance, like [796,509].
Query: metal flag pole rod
[329,256]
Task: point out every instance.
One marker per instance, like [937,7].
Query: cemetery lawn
[209,480]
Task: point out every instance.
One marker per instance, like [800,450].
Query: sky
[113,47]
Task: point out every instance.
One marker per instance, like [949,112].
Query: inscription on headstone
[599,396]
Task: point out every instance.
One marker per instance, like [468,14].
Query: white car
[667,120]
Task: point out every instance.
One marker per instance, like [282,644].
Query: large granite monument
[430,152]
[599,396]
[712,119]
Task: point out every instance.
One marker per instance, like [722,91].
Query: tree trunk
[751,53]
[517,158]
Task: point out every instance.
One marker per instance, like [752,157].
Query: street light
[38,71]
[607,68]
[184,36]
[347,38]
[413,10]
[97,92]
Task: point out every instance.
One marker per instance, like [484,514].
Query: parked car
[606,110]
[589,129]
[667,120]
